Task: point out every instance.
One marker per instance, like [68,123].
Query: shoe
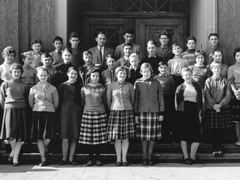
[10,158]
[74,163]
[62,162]
[237,143]
[150,162]
[118,163]
[16,164]
[144,162]
[187,161]
[89,163]
[194,161]
[220,153]
[215,153]
[125,163]
[98,163]
[43,163]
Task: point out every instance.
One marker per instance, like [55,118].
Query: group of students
[91,103]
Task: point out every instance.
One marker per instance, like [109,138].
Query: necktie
[100,54]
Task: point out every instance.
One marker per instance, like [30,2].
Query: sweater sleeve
[55,98]
[136,99]
[131,93]
[230,76]
[207,94]
[2,94]
[31,98]
[227,97]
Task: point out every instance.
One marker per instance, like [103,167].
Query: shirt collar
[163,75]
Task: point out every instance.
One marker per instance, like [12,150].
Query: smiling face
[42,76]
[163,69]
[67,57]
[121,75]
[187,76]
[47,61]
[16,73]
[94,77]
[28,60]
[72,75]
[177,50]
[237,57]
[8,58]
[146,73]
[151,49]
[216,70]
[111,63]
[200,59]
[36,47]
[127,50]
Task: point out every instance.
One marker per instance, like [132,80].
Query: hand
[160,118]
[136,119]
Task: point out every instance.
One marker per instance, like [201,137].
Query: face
[177,50]
[47,61]
[58,45]
[187,76]
[134,62]
[111,63]
[67,57]
[28,60]
[146,73]
[16,73]
[121,75]
[72,75]
[163,69]
[94,77]
[213,41]
[74,42]
[87,59]
[101,40]
[237,57]
[8,58]
[164,40]
[42,76]
[127,50]
[36,47]
[200,59]
[216,70]
[128,37]
[151,48]
[217,56]
[191,44]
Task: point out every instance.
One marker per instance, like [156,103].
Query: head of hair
[217,50]
[236,50]
[129,31]
[163,33]
[58,38]
[185,69]
[152,42]
[9,50]
[26,54]
[215,64]
[213,34]
[67,50]
[134,55]
[109,56]
[46,55]
[198,53]
[122,68]
[35,41]
[163,63]
[146,65]
[94,70]
[192,38]
[73,35]
[86,53]
[176,45]
[100,32]
[127,44]
[40,68]
[72,68]
[15,66]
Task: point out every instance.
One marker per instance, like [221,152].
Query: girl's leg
[184,149]
[46,142]
[12,143]
[65,145]
[125,145]
[144,149]
[194,148]
[73,145]
[41,148]
[17,150]
[150,149]
[118,149]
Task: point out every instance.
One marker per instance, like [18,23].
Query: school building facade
[24,20]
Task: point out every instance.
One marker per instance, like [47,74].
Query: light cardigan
[43,98]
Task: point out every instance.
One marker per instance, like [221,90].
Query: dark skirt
[235,109]
[43,125]
[220,120]
[93,129]
[121,125]
[149,127]
[14,124]
[189,124]
[70,118]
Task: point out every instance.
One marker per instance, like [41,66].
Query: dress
[70,110]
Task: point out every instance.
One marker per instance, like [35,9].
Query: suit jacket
[107,77]
[166,56]
[96,56]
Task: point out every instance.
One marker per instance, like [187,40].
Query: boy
[176,64]
[109,74]
[128,37]
[134,69]
[189,54]
[57,53]
[167,83]
[88,65]
[127,50]
[77,51]
[36,46]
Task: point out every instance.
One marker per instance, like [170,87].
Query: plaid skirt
[149,127]
[93,129]
[14,124]
[121,125]
[221,120]
[43,125]
[235,109]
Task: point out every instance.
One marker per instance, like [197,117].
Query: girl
[217,117]
[93,130]
[29,74]
[188,103]
[13,100]
[120,99]
[43,99]
[148,107]
[234,81]
[70,114]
